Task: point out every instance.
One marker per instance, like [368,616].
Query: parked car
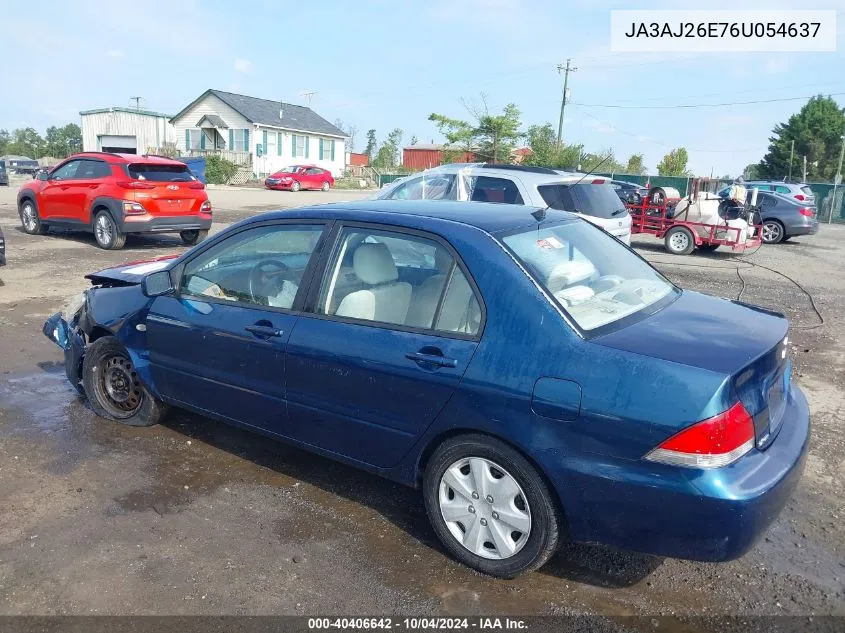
[784,217]
[4,175]
[797,191]
[298,177]
[589,196]
[113,195]
[629,192]
[533,376]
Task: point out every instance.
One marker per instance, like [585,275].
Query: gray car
[785,217]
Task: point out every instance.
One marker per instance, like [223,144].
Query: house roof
[139,111]
[266,112]
[215,120]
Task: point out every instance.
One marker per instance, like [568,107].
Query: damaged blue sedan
[533,376]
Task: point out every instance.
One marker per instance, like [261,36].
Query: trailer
[699,220]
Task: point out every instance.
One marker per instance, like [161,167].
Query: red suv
[116,194]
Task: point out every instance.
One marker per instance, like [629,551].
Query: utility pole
[137,101]
[837,180]
[805,169]
[791,154]
[567,69]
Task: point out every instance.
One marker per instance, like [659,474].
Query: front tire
[30,219]
[106,232]
[325,186]
[489,506]
[773,232]
[113,388]
[295,186]
[192,237]
[679,240]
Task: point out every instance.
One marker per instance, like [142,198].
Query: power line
[739,92]
[699,105]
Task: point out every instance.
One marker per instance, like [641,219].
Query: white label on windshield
[550,242]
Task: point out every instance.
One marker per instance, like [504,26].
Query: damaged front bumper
[63,329]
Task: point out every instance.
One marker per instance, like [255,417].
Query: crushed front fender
[70,339]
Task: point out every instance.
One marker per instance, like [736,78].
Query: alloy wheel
[30,219]
[484,508]
[104,230]
[771,232]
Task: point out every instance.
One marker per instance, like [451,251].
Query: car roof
[527,174]
[487,216]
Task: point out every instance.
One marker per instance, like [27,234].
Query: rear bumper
[163,224]
[803,229]
[708,515]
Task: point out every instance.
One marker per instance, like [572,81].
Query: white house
[268,134]
[127,130]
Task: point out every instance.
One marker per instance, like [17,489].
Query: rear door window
[92,170]
[160,173]
[782,189]
[599,201]
[489,189]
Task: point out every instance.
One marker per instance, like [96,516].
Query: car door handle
[432,359]
[265,331]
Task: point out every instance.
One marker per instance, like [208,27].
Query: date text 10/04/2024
[419,623]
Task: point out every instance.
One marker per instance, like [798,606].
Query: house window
[195,139]
[240,140]
[270,139]
[298,145]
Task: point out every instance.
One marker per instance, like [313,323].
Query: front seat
[386,300]
[424,301]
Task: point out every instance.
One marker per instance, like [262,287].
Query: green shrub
[218,170]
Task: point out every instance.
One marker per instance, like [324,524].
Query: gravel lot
[195,517]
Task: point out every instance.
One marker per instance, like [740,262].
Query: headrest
[373,264]
[442,260]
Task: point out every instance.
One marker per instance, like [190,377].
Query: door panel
[56,196]
[352,390]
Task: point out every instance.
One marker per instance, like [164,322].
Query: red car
[298,177]
[112,195]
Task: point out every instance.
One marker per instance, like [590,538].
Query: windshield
[292,169]
[593,277]
[160,173]
[599,201]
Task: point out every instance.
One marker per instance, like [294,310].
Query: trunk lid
[746,343]
[170,189]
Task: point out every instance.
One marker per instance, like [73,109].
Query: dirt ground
[195,517]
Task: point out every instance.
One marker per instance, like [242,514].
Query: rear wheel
[679,240]
[113,388]
[295,186]
[106,232]
[189,238]
[772,232]
[489,506]
[30,219]
[325,186]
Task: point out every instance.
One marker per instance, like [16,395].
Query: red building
[358,160]
[425,156]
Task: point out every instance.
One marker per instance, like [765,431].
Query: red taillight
[599,182]
[205,207]
[135,184]
[196,184]
[711,443]
[799,196]
[806,211]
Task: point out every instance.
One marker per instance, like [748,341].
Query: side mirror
[42,174]
[157,284]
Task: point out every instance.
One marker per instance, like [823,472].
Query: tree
[751,172]
[635,165]
[63,141]
[389,152]
[26,142]
[5,139]
[460,135]
[545,152]
[816,130]
[674,163]
[491,137]
[350,131]
[413,140]
[370,149]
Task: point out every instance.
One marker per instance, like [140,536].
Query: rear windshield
[599,201]
[592,276]
[160,173]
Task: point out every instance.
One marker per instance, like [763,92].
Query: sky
[385,64]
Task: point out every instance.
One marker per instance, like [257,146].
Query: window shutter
[247,149]
[202,139]
[293,145]
[187,139]
[332,142]
[307,138]
[231,139]
[320,154]
[278,143]
[265,142]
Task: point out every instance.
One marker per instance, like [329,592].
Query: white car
[592,197]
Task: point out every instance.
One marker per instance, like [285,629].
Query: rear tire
[325,186]
[189,238]
[679,240]
[295,186]
[106,233]
[517,524]
[113,388]
[30,218]
[773,232]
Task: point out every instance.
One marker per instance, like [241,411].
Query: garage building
[125,130]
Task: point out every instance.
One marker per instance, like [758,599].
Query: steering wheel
[266,275]
[606,282]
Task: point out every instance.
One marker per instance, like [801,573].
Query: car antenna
[595,167]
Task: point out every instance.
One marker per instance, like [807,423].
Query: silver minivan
[592,197]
